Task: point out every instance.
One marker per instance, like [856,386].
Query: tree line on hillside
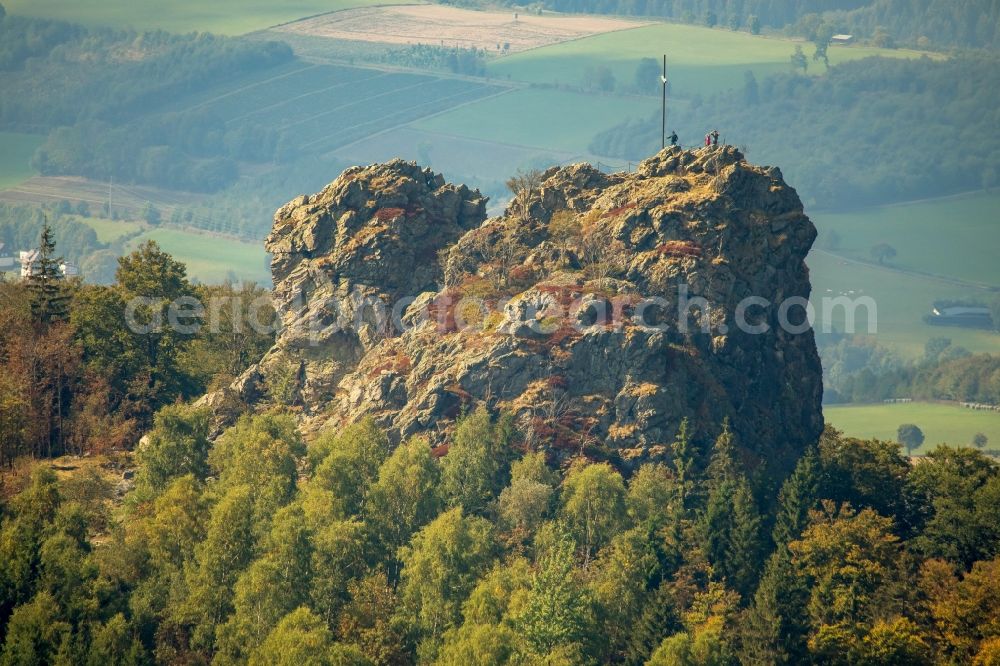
[457,60]
[870,131]
[21,227]
[867,372]
[101,95]
[923,23]
[262,548]
[76,377]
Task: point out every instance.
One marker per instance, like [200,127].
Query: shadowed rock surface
[564,311]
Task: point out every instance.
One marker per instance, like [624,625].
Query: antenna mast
[663,125]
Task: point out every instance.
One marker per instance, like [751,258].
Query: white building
[29,264]
[29,258]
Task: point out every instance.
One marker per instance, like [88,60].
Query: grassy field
[553,119]
[16,151]
[957,236]
[110,230]
[941,423]
[212,259]
[901,302]
[227,17]
[700,60]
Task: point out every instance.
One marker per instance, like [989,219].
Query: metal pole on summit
[663,124]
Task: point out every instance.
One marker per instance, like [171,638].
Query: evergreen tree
[797,496]
[743,552]
[731,522]
[45,283]
[775,627]
[659,619]
[684,460]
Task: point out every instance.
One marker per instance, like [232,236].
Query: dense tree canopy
[266,550]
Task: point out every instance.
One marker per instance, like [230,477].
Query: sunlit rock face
[600,310]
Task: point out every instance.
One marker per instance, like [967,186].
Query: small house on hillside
[842,39]
[29,259]
[29,264]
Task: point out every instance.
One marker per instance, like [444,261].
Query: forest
[263,548]
[935,23]
[255,544]
[101,95]
[75,377]
[866,372]
[870,131]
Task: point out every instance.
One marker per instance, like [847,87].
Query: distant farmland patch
[318,108]
[210,258]
[225,17]
[439,25]
[552,119]
[941,423]
[16,150]
[700,60]
[952,236]
[901,300]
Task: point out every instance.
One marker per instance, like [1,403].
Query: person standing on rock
[708,139]
[715,137]
[673,138]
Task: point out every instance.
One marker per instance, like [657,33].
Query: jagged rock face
[371,236]
[563,311]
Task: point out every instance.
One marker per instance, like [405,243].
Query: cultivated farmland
[552,119]
[438,25]
[701,60]
[954,236]
[225,17]
[901,300]
[941,423]
[318,108]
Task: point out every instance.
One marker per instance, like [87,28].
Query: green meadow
[700,60]
[15,155]
[901,301]
[940,423]
[956,236]
[554,119]
[212,259]
[226,17]
[109,231]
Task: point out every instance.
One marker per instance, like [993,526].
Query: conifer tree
[731,523]
[45,283]
[743,552]
[775,627]
[797,496]
[659,619]
[684,462]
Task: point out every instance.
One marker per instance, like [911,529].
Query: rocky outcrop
[599,310]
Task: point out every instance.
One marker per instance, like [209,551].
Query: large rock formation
[400,302]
